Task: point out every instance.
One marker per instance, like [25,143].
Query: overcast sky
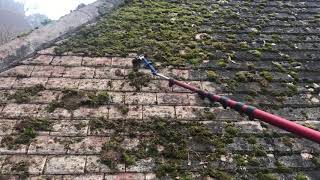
[54,9]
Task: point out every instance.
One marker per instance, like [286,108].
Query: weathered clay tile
[86,145]
[35,164]
[67,61]
[125,112]
[84,177]
[18,71]
[62,83]
[141,98]
[172,99]
[7,82]
[20,110]
[40,60]
[97,61]
[42,71]
[135,176]
[70,128]
[48,145]
[158,111]
[121,62]
[65,165]
[6,126]
[79,72]
[29,82]
[94,165]
[94,84]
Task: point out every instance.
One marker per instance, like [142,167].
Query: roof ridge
[23,47]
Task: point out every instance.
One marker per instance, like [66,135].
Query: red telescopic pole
[253,112]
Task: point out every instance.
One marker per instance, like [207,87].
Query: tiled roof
[53,123]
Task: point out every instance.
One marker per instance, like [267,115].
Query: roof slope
[81,111]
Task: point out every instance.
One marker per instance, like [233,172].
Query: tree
[5,34]
[13,21]
[12,6]
[36,20]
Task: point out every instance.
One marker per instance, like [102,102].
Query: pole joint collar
[148,65]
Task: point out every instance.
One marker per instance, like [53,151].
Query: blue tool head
[148,64]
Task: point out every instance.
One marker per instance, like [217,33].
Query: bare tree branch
[6,34]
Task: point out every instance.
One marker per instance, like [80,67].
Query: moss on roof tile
[173,32]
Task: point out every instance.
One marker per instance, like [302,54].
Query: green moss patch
[316,161]
[222,63]
[24,95]
[219,175]
[159,29]
[252,140]
[245,76]
[256,53]
[205,114]
[282,168]
[279,66]
[123,108]
[259,151]
[112,154]
[25,131]
[21,168]
[212,76]
[167,142]
[244,45]
[301,176]
[288,141]
[172,32]
[97,124]
[138,79]
[267,75]
[266,176]
[231,130]
[72,100]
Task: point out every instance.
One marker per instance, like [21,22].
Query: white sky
[54,9]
